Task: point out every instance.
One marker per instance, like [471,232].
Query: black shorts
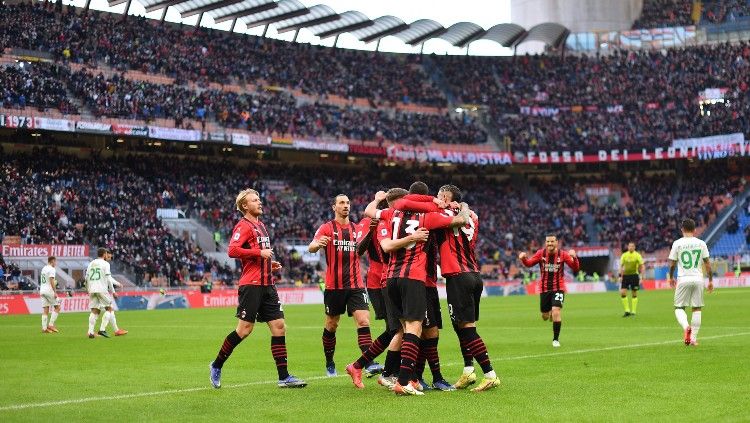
[392,322]
[338,301]
[464,292]
[377,301]
[550,299]
[259,303]
[631,282]
[408,297]
[432,316]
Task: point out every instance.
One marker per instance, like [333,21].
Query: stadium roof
[324,22]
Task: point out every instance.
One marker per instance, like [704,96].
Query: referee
[631,267]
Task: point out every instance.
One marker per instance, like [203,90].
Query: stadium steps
[124,280]
[588,219]
[193,230]
[722,243]
[433,72]
[731,244]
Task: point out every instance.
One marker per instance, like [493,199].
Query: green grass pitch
[609,368]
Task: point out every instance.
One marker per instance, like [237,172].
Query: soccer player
[686,255]
[377,261]
[552,263]
[47,286]
[393,334]
[464,287]
[258,299]
[431,325]
[345,292]
[631,267]
[112,318]
[407,274]
[98,281]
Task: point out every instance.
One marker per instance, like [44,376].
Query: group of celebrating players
[405,234]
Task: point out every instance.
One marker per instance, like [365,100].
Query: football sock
[556,330]
[105,321]
[53,319]
[430,348]
[420,364]
[376,348]
[475,344]
[230,342]
[364,339]
[329,345]
[392,362]
[92,322]
[44,322]
[278,350]
[635,304]
[409,353]
[681,318]
[468,358]
[113,321]
[625,304]
[695,325]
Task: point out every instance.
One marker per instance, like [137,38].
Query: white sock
[44,322]
[468,370]
[681,318]
[53,318]
[92,322]
[695,324]
[105,320]
[490,375]
[113,321]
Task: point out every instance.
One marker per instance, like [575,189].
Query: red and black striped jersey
[409,262]
[343,271]
[457,248]
[378,260]
[248,239]
[457,245]
[552,267]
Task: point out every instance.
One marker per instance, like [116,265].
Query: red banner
[42,250]
[13,304]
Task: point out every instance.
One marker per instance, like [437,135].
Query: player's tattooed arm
[372,209]
[389,245]
[364,244]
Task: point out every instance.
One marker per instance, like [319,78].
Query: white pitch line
[137,395]
[618,347]
[242,385]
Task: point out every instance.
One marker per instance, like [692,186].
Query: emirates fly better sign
[41,250]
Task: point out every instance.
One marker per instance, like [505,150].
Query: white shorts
[99,300]
[49,299]
[689,294]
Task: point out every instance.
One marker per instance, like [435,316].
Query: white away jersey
[45,282]
[689,253]
[97,276]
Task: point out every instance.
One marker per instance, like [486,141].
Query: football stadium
[284,210]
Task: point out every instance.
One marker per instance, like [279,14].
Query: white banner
[713,142]
[96,127]
[63,125]
[321,146]
[250,139]
[175,134]
[170,214]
